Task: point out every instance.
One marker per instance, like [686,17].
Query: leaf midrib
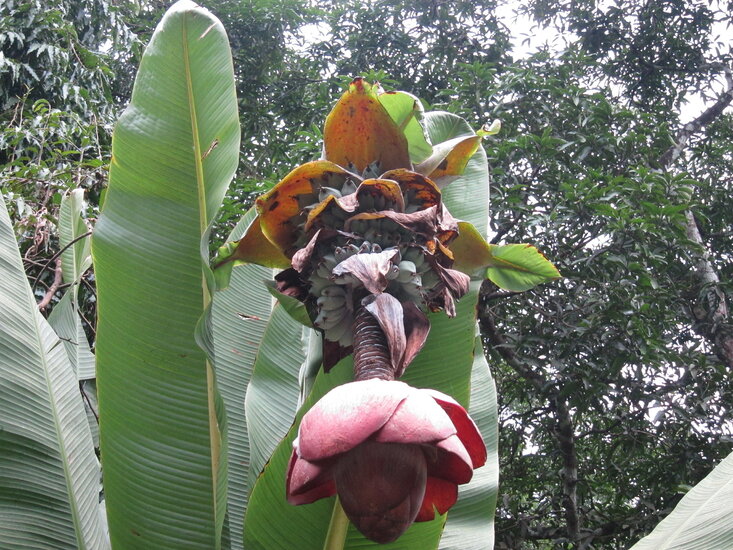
[203,225]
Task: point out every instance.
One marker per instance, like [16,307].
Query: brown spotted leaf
[417,189]
[281,209]
[359,131]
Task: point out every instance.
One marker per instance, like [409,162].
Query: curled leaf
[369,268]
[387,310]
[449,158]
[490,129]
[456,281]
[417,327]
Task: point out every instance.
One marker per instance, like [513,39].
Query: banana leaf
[162,424]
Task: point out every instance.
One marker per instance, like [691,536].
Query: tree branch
[563,430]
[57,279]
[58,255]
[693,127]
[710,314]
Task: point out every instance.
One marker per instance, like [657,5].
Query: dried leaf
[417,327]
[387,310]
[456,281]
[422,222]
[302,257]
[370,268]
[289,283]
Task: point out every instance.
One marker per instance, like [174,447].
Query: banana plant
[49,474]
[163,432]
[180,349]
[367,245]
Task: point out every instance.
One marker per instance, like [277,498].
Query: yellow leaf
[282,209]
[359,131]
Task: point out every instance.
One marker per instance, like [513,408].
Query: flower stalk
[337,528]
[371,350]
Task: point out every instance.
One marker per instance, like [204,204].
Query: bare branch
[693,127]
[710,313]
[58,255]
[57,279]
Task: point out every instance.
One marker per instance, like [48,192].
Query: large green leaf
[467,197]
[272,395]
[174,152]
[407,112]
[75,260]
[447,363]
[703,519]
[470,523]
[49,474]
[239,315]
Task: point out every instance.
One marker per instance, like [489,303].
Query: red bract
[393,453]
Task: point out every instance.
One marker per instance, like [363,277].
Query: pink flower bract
[394,454]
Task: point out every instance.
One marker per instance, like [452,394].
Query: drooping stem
[337,528]
[371,351]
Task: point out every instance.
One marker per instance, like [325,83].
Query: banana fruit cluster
[409,278]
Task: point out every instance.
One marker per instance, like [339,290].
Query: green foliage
[52,50]
[47,452]
[575,172]
[658,51]
[162,434]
